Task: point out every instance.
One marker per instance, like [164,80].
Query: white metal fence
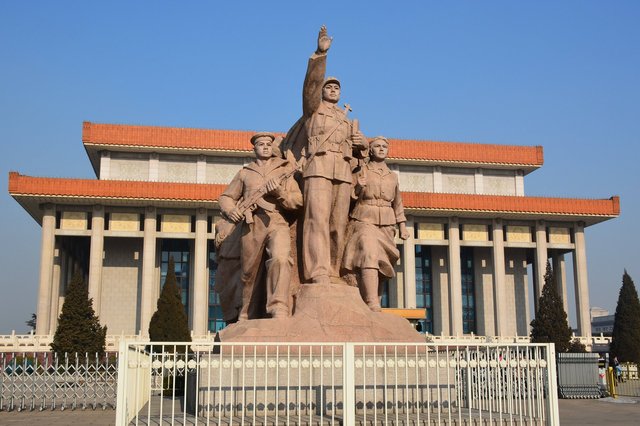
[44,381]
[336,383]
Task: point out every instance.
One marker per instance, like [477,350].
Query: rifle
[225,226]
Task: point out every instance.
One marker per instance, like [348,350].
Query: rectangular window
[179,250]
[468,291]
[216,321]
[424,288]
[384,291]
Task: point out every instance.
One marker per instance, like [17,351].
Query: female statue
[370,251]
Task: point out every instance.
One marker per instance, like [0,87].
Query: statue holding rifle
[265,253]
[256,200]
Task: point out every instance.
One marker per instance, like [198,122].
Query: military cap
[331,80]
[255,137]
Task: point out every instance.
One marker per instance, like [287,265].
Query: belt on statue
[379,203]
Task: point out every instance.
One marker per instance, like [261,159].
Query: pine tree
[32,322]
[625,342]
[169,322]
[79,330]
[550,323]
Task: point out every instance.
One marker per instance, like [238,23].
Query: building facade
[475,259]
[601,321]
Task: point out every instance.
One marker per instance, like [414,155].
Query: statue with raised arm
[328,145]
[324,152]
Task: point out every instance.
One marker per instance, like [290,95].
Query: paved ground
[59,418]
[607,411]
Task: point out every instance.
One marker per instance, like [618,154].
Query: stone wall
[129,166]
[517,295]
[440,290]
[222,170]
[121,281]
[499,182]
[415,179]
[483,269]
[458,181]
[174,168]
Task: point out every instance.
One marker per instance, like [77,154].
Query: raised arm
[316,68]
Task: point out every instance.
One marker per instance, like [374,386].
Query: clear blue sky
[564,75]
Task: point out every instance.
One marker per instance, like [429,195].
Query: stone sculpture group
[318,207]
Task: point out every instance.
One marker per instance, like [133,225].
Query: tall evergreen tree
[550,323]
[625,342]
[169,322]
[79,330]
[32,322]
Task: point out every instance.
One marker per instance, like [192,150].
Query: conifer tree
[32,322]
[625,342]
[79,330]
[169,322]
[550,323]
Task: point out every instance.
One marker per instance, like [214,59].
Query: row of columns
[48,294]
[199,286]
[499,275]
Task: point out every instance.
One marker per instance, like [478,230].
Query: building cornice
[32,192]
[119,137]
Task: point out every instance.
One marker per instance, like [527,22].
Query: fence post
[349,384]
[121,390]
[553,414]
[611,381]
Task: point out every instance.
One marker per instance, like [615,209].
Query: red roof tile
[235,140]
[511,204]
[90,188]
[20,185]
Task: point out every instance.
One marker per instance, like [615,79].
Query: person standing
[328,146]
[371,250]
[264,229]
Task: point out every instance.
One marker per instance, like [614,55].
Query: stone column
[479,181]
[409,266]
[105,165]
[201,169]
[56,282]
[200,294]
[581,281]
[47,248]
[154,166]
[499,279]
[541,259]
[455,278]
[560,272]
[520,183]
[437,179]
[441,305]
[147,302]
[95,257]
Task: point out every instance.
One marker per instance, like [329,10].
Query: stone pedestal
[325,313]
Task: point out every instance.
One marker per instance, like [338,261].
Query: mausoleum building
[475,258]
